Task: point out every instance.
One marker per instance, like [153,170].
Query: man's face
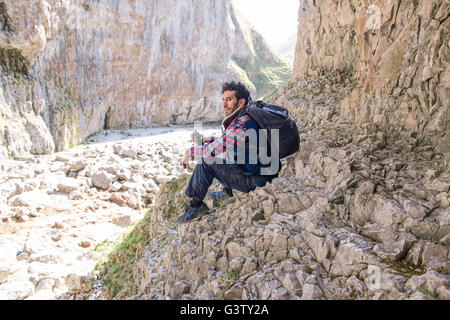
[230,102]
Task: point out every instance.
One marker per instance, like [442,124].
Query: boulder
[101,180]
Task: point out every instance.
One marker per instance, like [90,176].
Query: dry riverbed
[60,213]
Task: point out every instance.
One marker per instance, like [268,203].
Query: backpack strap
[244,118]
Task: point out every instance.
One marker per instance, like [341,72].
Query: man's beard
[231,110]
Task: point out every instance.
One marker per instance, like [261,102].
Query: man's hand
[184,161]
[207,139]
[199,139]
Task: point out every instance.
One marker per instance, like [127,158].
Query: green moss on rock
[117,270]
[171,198]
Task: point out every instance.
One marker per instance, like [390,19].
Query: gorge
[361,211]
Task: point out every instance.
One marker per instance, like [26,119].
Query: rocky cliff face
[398,52]
[72,68]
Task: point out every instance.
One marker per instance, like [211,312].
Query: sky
[276,20]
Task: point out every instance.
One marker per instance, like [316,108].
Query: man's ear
[241,102]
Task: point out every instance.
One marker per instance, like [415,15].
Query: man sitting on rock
[243,177]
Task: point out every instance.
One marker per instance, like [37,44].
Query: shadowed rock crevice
[106,122]
[13,61]
[5,19]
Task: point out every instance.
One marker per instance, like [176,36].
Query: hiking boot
[191,212]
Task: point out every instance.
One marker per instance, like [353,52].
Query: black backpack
[269,116]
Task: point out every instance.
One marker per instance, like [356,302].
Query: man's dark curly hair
[239,89]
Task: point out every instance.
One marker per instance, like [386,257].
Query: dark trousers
[231,176]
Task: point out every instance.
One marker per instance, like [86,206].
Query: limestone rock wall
[397,51]
[71,68]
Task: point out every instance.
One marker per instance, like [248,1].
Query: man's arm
[208,139]
[201,139]
[234,135]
